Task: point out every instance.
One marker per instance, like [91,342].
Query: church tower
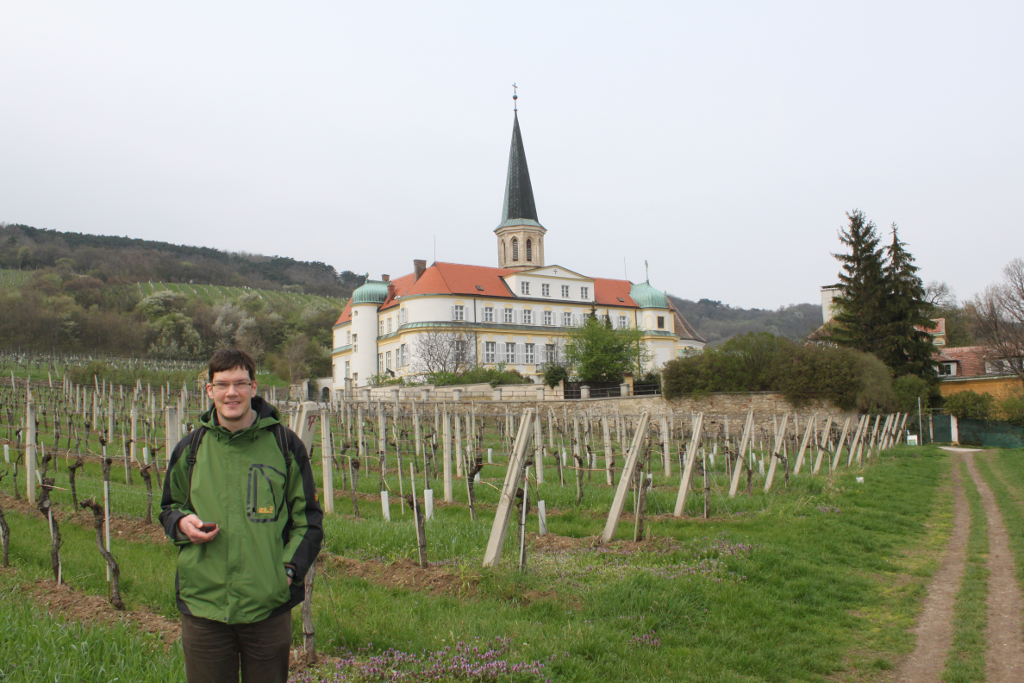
[520,236]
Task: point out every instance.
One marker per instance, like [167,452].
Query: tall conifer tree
[909,348]
[859,320]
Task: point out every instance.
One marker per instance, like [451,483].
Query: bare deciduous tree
[999,318]
[444,352]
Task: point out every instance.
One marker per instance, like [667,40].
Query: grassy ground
[817,581]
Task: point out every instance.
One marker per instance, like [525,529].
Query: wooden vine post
[839,445]
[326,457]
[821,444]
[741,454]
[691,456]
[803,444]
[625,479]
[513,475]
[780,439]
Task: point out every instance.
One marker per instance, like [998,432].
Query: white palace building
[516,313]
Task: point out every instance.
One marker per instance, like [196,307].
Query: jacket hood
[266,416]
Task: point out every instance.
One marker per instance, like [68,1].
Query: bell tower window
[515,249]
[529,250]
[504,256]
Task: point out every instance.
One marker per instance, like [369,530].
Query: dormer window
[515,249]
[524,286]
[529,250]
[584,292]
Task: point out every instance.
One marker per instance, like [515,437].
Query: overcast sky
[722,142]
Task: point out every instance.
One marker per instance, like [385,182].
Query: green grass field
[812,582]
[215,294]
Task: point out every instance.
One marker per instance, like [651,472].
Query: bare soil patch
[130,528]
[934,628]
[65,602]
[407,574]
[1004,659]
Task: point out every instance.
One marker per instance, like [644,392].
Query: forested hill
[717,322]
[126,259]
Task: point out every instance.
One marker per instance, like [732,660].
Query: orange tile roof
[346,313]
[457,278]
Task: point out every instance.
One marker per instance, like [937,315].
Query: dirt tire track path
[1004,658]
[934,629]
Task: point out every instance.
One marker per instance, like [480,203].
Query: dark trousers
[215,652]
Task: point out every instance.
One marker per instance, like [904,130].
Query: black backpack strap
[195,437]
[281,434]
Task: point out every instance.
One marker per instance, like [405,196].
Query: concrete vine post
[30,451]
[326,458]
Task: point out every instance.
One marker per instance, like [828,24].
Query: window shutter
[521,353]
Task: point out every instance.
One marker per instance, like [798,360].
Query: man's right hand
[190,527]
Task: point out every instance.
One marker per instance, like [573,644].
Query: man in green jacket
[240,503]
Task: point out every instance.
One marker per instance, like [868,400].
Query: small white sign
[911,439]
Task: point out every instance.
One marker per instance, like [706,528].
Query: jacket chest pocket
[264,493]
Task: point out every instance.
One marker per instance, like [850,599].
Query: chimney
[420,266]
[385,278]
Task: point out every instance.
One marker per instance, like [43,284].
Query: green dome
[646,296]
[371,292]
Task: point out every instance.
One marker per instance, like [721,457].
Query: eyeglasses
[224,386]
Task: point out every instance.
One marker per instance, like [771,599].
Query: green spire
[519,207]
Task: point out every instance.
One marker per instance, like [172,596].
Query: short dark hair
[230,359]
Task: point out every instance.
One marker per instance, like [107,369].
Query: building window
[623,322]
[355,338]
[565,291]
[401,356]
[488,314]
[380,363]
[380,327]
[545,289]
[549,353]
[504,256]
[389,325]
[566,319]
[661,322]
[348,337]
[347,368]
[508,315]
[524,287]
[584,292]
[387,360]
[489,352]
[527,317]
[529,250]
[947,369]
[510,353]
[548,318]
[461,350]
[458,312]
[528,357]
[515,249]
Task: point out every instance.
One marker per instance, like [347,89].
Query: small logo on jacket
[267,510]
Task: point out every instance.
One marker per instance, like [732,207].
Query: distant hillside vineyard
[135,260]
[718,322]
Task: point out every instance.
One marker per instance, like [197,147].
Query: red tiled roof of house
[456,278]
[608,292]
[970,360]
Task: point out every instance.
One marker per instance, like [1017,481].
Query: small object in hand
[207,528]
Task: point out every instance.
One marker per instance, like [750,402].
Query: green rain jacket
[268,518]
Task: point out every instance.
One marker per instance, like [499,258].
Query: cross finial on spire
[515,96]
